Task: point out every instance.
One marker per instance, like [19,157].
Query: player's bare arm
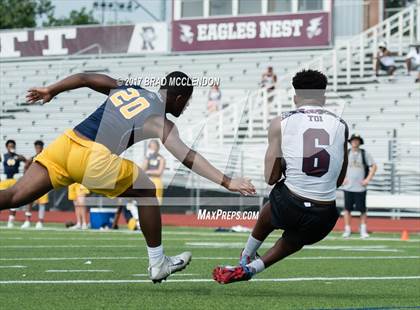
[168,133]
[272,164]
[343,171]
[98,82]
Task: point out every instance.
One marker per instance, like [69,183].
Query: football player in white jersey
[306,159]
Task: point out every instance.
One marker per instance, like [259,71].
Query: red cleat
[227,274]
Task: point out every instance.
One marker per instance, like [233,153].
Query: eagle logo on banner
[186,34]
[314,29]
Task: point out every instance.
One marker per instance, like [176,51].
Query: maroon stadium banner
[139,38]
[301,30]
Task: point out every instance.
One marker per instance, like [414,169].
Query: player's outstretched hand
[39,93]
[243,186]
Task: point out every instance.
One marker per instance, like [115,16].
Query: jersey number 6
[316,160]
[130,102]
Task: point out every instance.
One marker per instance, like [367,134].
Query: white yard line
[5,230]
[210,280]
[76,270]
[203,258]
[14,266]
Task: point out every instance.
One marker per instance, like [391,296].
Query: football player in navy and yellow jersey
[89,154]
[11,165]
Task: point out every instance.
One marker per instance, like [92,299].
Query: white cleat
[77,226]
[25,225]
[10,224]
[168,266]
[39,225]
[364,235]
[84,227]
[346,234]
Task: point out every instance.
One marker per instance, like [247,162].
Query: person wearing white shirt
[412,60]
[384,60]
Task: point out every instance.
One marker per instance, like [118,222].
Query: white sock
[155,254]
[41,212]
[347,228]
[252,245]
[11,218]
[363,228]
[256,266]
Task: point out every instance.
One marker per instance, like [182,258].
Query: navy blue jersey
[118,122]
[153,161]
[11,163]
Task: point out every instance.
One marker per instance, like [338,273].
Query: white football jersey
[313,148]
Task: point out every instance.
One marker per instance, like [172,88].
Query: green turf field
[58,269]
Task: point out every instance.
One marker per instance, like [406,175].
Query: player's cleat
[84,227]
[346,234]
[230,274]
[77,226]
[10,224]
[39,225]
[168,266]
[246,259]
[364,235]
[25,225]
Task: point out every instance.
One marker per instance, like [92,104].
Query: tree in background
[24,14]
[81,17]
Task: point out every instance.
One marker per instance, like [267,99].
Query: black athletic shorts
[301,224]
[356,199]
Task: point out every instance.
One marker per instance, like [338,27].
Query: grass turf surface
[381,272]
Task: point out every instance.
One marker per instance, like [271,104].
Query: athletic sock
[155,254]
[252,245]
[347,228]
[11,218]
[41,212]
[256,266]
[363,228]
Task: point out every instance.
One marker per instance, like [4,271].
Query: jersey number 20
[130,102]
[316,160]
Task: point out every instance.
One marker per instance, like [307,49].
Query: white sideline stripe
[210,280]
[14,266]
[78,270]
[239,245]
[5,230]
[203,258]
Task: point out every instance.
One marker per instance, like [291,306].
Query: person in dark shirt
[11,164]
[89,154]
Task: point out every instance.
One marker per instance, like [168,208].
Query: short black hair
[10,141]
[178,83]
[39,142]
[307,82]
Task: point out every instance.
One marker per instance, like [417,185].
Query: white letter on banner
[55,40]
[7,42]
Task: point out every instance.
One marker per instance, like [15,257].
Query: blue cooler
[102,217]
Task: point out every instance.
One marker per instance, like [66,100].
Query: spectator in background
[77,193]
[412,60]
[42,201]
[384,60]
[268,81]
[360,171]
[11,164]
[154,165]
[214,99]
